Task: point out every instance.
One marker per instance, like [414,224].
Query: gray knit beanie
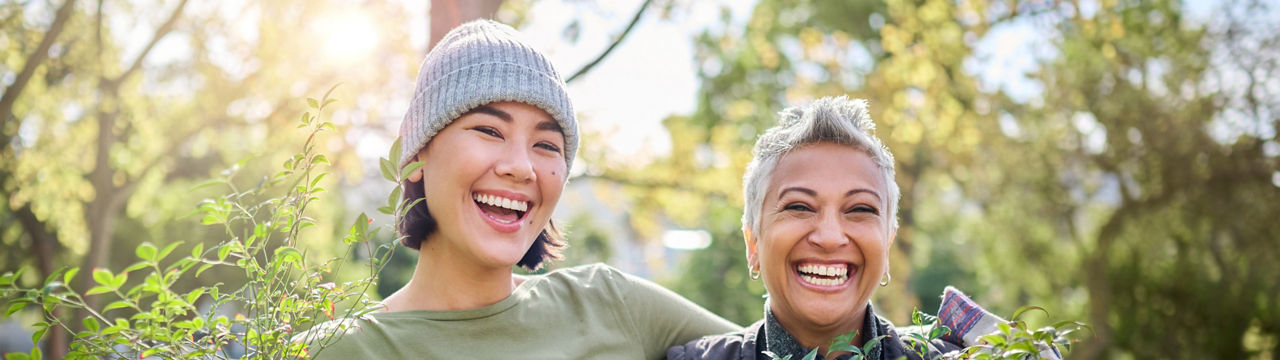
[478,63]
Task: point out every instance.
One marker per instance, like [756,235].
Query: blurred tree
[116,111]
[1136,192]
[1143,177]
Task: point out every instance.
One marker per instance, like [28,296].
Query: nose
[516,165]
[828,234]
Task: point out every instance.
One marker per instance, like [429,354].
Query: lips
[823,274]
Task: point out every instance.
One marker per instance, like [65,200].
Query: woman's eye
[549,146]
[488,131]
[797,207]
[864,209]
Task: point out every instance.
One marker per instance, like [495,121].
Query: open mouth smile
[826,276]
[501,210]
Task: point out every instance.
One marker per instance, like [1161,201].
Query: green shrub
[1013,341]
[283,292]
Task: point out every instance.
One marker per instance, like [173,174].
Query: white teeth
[823,281]
[502,202]
[810,272]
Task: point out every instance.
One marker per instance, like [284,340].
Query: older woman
[820,216]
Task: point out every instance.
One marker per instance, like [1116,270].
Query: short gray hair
[838,120]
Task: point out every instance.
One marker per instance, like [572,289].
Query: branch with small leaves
[282,292]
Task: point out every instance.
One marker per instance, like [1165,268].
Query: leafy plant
[281,292]
[1012,341]
[841,343]
[1015,340]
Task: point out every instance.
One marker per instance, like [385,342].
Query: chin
[830,315]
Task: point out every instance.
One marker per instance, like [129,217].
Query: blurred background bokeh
[1112,161]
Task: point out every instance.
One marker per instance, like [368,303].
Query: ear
[416,176]
[753,258]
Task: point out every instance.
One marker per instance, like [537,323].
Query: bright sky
[649,76]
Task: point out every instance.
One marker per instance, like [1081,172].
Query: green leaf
[288,254]
[117,305]
[136,266]
[8,277]
[812,355]
[388,171]
[330,91]
[393,155]
[1024,309]
[843,342]
[193,295]
[313,103]
[317,179]
[102,276]
[119,280]
[91,324]
[54,275]
[327,102]
[202,268]
[71,274]
[410,168]
[320,159]
[167,249]
[224,251]
[18,356]
[146,251]
[98,290]
[873,343]
[39,333]
[197,251]
[15,307]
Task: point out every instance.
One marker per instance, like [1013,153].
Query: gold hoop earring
[887,278]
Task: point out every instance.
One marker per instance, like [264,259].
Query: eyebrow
[855,191]
[489,110]
[812,193]
[546,125]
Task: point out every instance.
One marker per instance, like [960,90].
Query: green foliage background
[1135,189]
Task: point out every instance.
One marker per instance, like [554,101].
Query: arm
[662,318]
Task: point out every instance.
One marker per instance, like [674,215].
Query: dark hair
[417,223]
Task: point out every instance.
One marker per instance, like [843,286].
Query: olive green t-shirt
[590,311]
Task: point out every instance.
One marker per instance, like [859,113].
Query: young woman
[492,123]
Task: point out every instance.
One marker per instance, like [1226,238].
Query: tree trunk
[43,245]
[448,14]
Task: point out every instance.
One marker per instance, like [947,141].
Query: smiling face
[824,236]
[492,179]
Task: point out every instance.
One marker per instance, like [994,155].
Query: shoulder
[594,272]
[734,345]
[341,337]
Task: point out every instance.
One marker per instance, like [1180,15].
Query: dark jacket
[768,335]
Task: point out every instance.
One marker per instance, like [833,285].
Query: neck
[820,336]
[442,282]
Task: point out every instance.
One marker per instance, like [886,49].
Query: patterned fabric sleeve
[968,321]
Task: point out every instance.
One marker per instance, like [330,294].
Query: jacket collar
[776,339]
